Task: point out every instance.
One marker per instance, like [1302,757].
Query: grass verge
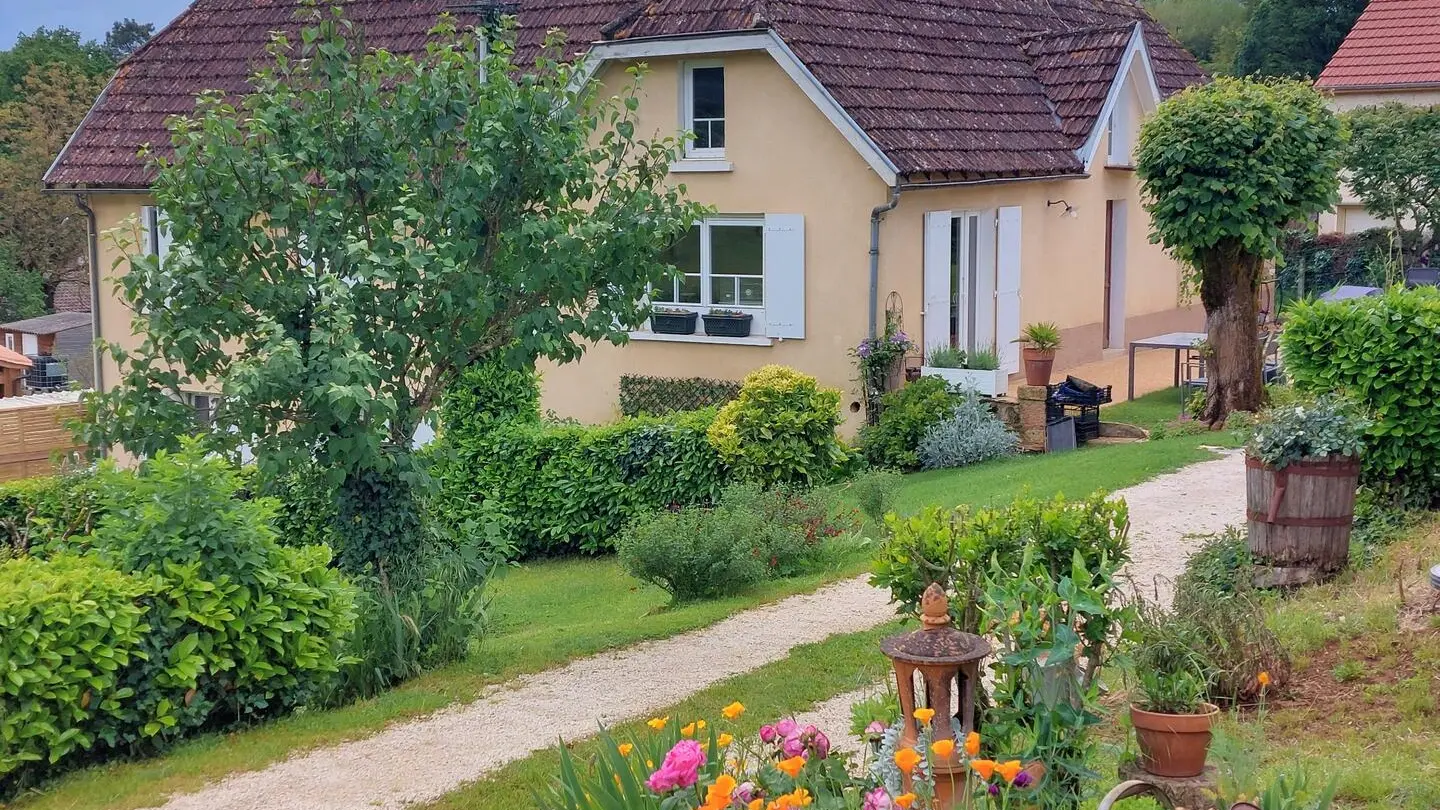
[545,614]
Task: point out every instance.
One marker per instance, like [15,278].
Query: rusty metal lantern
[947,662]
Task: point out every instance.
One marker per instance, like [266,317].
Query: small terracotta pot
[1038,364]
[1174,744]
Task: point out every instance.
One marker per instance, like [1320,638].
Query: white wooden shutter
[936,312]
[1007,287]
[785,275]
[162,235]
[148,237]
[985,283]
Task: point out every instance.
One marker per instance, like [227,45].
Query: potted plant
[1172,721]
[673,321]
[978,370]
[727,323]
[1302,467]
[1039,343]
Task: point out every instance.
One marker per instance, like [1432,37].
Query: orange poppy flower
[792,766]
[942,748]
[904,800]
[625,749]
[756,804]
[924,715]
[1009,770]
[724,740]
[972,743]
[906,759]
[717,797]
[984,767]
[1264,679]
[734,710]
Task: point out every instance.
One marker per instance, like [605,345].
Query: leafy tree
[1225,167]
[1210,29]
[49,46]
[362,228]
[1393,160]
[21,293]
[125,37]
[1295,37]
[47,231]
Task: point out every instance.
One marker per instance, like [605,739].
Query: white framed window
[10,341]
[722,262]
[204,407]
[703,108]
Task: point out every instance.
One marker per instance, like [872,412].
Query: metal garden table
[1178,341]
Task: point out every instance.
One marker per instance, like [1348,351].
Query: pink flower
[876,727]
[746,793]
[793,746]
[786,727]
[681,767]
[820,744]
[768,734]
[877,799]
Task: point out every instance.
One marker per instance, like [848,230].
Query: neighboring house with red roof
[1391,55]
[988,143]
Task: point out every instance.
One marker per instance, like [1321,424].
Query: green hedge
[1383,352]
[44,512]
[656,396]
[566,488]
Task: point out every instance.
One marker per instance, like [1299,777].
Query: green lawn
[1154,408]
[544,614]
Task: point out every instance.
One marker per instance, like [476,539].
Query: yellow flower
[906,759]
[925,715]
[942,748]
[792,766]
[984,767]
[1009,770]
[734,710]
[972,743]
[658,723]
[625,749]
[724,740]
[1264,679]
[904,800]
[650,763]
[688,731]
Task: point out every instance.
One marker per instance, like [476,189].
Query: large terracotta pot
[1174,744]
[1038,364]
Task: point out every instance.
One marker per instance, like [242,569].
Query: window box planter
[989,382]
[728,324]
[673,323]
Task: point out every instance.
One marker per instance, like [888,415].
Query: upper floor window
[704,108]
[723,264]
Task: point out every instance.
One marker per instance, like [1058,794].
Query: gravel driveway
[422,760]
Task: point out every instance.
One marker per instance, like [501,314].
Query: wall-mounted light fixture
[1069,209]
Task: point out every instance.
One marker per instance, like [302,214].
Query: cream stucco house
[1392,55]
[962,163]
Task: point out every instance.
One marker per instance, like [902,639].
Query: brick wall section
[1032,418]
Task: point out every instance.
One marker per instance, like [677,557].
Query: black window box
[670,323]
[737,326]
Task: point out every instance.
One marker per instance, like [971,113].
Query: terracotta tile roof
[1395,42]
[72,296]
[1077,70]
[946,88]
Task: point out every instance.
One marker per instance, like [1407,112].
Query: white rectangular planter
[990,383]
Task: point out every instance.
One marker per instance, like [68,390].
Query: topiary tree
[1224,168]
[1393,165]
[363,227]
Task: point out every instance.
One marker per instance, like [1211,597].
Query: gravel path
[422,760]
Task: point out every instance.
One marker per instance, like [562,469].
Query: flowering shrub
[876,358]
[786,766]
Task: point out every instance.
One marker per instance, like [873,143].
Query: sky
[92,18]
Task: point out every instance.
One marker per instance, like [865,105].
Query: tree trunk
[1233,370]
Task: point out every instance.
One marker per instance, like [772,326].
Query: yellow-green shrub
[781,429]
[70,629]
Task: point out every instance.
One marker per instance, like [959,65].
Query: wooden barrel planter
[1300,517]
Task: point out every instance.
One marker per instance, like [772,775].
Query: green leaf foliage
[71,629]
[566,488]
[1392,166]
[906,416]
[360,228]
[657,396]
[1379,351]
[1294,38]
[1227,165]
[781,429]
[22,292]
[1326,426]
[48,513]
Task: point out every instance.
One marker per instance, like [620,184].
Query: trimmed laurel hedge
[657,396]
[1381,351]
[566,488]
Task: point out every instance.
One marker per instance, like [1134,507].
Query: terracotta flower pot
[1174,744]
[1038,363]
